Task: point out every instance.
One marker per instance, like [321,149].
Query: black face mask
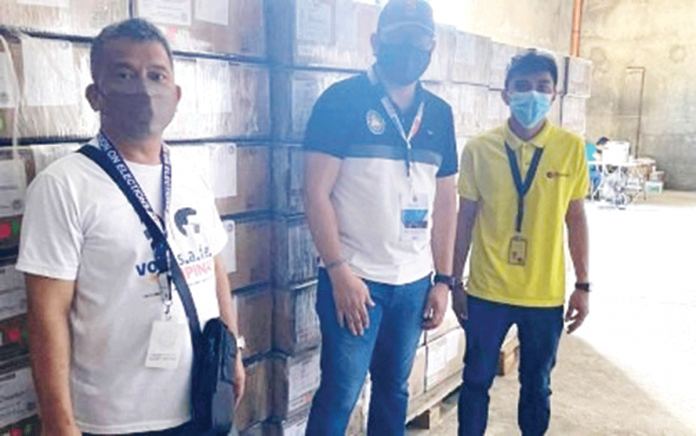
[402,64]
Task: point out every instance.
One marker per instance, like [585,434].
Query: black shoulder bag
[214,350]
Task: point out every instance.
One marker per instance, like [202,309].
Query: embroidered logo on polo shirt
[556,175]
[375,122]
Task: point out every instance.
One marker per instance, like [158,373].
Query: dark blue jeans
[387,349]
[539,331]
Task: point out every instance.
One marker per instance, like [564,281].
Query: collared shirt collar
[540,140]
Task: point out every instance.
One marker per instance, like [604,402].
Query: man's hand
[578,309]
[435,306]
[239,378]
[460,304]
[352,300]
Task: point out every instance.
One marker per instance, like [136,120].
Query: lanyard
[394,116]
[116,161]
[522,187]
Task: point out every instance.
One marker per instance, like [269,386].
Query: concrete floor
[631,369]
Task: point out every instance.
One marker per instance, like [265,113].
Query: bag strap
[158,237]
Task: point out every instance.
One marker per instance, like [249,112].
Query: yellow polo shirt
[486,177]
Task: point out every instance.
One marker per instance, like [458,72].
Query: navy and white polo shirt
[349,122]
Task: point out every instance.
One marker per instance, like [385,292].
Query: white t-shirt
[79,226]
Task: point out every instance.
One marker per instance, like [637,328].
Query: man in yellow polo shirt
[519,184]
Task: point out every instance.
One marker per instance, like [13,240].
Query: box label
[13,296]
[17,396]
[223,161]
[13,189]
[50,73]
[174,12]
[49,3]
[229,253]
[313,22]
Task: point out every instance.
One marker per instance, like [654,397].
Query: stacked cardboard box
[578,79]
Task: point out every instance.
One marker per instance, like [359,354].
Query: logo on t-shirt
[375,122]
[181,218]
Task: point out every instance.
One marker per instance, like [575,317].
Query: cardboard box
[295,93]
[509,352]
[18,400]
[288,177]
[654,187]
[501,55]
[14,176]
[357,424]
[449,324]
[248,252]
[254,310]
[443,56]
[561,61]
[416,381]
[295,425]
[52,75]
[220,99]
[252,172]
[26,427]
[296,379]
[472,59]
[573,114]
[295,256]
[257,401]
[497,111]
[13,292]
[329,33]
[70,17]
[469,107]
[295,321]
[210,26]
[579,77]
[237,173]
[445,358]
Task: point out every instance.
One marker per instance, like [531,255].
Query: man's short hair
[532,61]
[134,29]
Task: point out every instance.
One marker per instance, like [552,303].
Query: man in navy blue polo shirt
[380,196]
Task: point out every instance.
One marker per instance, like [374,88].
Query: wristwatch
[583,286]
[446,279]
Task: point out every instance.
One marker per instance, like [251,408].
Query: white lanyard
[394,116]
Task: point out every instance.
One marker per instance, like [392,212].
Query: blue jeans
[387,349]
[539,331]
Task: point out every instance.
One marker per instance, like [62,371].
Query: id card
[164,349]
[518,251]
[414,217]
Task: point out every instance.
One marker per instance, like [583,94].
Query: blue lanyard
[522,187]
[125,178]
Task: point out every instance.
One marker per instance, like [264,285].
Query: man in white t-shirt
[97,307]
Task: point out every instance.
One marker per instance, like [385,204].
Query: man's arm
[351,296]
[228,314]
[578,242]
[442,244]
[466,218]
[48,310]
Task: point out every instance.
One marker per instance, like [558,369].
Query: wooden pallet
[426,410]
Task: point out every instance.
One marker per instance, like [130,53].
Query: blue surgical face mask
[530,108]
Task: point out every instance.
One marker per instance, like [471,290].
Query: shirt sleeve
[581,187]
[468,188]
[449,151]
[51,237]
[327,130]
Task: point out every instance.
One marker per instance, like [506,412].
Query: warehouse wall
[539,23]
[661,37]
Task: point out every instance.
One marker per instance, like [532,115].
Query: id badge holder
[164,349]
[517,254]
[414,217]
